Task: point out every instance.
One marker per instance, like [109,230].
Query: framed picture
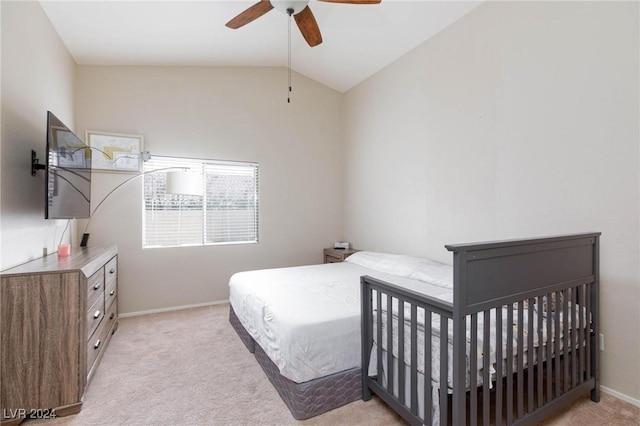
[72,152]
[115,152]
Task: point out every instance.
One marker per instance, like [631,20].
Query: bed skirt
[242,333]
[308,399]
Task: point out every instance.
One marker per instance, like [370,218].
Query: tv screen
[68,182]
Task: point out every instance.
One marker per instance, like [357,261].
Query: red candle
[64,250]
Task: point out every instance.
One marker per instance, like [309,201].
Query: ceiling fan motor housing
[284,5]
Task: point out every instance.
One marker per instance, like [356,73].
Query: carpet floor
[189,367]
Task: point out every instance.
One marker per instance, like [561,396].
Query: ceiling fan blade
[252,13]
[353,1]
[308,26]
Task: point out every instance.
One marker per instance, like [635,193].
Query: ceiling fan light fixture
[284,5]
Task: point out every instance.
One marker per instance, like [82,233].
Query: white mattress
[307,318]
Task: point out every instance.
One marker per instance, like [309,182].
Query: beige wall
[37,75]
[238,114]
[519,120]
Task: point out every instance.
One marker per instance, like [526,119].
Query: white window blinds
[225,213]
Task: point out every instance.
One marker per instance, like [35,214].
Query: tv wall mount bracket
[35,164]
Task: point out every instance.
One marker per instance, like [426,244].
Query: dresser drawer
[95,286]
[111,316]
[331,259]
[97,343]
[110,294]
[94,314]
[111,271]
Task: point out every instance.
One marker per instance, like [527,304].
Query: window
[225,213]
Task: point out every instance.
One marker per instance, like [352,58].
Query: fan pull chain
[289,12]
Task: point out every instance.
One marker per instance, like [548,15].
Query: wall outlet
[602,343]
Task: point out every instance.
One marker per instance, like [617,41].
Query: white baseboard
[621,396]
[173,308]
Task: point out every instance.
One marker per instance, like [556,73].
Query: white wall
[236,114]
[521,119]
[37,75]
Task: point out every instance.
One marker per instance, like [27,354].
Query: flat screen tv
[68,181]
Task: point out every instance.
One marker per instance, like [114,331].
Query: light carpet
[189,367]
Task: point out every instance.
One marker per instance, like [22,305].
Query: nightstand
[332,255]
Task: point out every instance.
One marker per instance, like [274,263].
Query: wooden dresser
[56,318]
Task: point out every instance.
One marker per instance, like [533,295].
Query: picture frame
[115,152]
[72,152]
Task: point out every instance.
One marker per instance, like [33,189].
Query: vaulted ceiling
[358,40]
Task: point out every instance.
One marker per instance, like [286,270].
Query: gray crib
[524,312]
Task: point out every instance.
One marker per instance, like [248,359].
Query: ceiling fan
[300,11]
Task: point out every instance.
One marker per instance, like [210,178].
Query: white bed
[307,318]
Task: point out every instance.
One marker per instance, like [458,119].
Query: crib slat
[557,354]
[427,369]
[549,343]
[566,340]
[594,289]
[379,335]
[520,360]
[401,379]
[499,328]
[444,368]
[582,325]
[414,359]
[541,344]
[574,338]
[367,338]
[473,370]
[530,352]
[390,344]
[588,332]
[509,364]
[486,378]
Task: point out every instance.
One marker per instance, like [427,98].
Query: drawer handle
[97,286]
[112,316]
[112,270]
[96,315]
[112,293]
[97,345]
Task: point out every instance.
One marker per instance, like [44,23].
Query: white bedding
[307,318]
[539,337]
